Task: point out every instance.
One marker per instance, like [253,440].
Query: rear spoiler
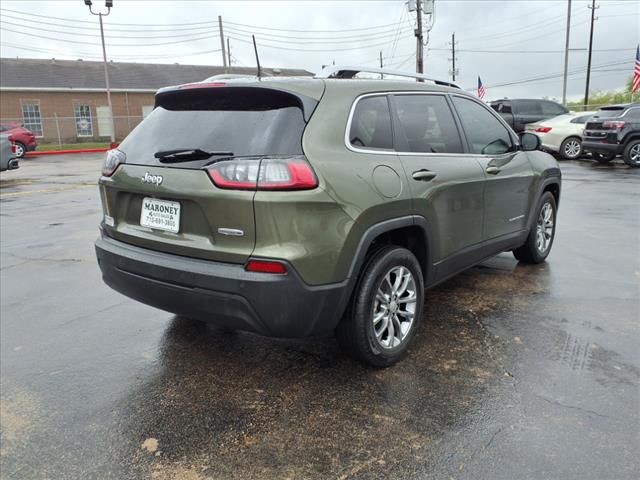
[219,95]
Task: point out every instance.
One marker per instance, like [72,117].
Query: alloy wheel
[634,154]
[572,148]
[394,307]
[544,228]
[19,150]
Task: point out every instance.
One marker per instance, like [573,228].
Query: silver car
[8,160]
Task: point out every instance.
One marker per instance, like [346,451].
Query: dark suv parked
[291,207]
[517,112]
[614,130]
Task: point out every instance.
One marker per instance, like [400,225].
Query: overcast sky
[492,37]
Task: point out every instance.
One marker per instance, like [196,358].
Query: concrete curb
[61,152]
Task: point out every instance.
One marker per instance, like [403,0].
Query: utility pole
[586,89]
[566,55]
[229,52]
[108,4]
[453,56]
[381,76]
[418,34]
[224,55]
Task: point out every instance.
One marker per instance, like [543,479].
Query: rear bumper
[599,147]
[220,293]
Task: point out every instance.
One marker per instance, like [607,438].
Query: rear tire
[603,157]
[631,155]
[571,148]
[385,310]
[540,238]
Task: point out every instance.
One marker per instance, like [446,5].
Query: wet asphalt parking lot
[517,372]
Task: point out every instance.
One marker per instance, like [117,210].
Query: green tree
[600,98]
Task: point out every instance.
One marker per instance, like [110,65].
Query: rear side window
[371,124]
[529,107]
[485,134]
[552,109]
[582,119]
[427,124]
[243,120]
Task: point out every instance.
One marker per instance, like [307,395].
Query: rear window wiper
[186,155]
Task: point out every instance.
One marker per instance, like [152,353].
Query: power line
[29,14]
[313,41]
[92,28]
[263,44]
[92,55]
[311,31]
[208,37]
[146,37]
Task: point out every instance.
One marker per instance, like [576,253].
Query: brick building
[66,100]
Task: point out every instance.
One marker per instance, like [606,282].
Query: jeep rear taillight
[112,161]
[13,145]
[613,124]
[270,173]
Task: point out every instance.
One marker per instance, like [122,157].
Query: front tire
[603,157]
[631,155]
[540,239]
[571,148]
[385,309]
[20,149]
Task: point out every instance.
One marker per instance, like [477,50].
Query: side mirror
[530,142]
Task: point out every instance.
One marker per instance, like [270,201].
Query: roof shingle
[39,73]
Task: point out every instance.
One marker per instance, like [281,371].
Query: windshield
[229,121]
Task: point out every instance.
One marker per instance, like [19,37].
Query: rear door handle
[424,175]
[493,170]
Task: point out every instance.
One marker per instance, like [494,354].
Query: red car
[25,140]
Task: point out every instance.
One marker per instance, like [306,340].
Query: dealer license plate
[160,214]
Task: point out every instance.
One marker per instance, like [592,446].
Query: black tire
[21,149]
[531,252]
[631,155]
[568,149]
[356,332]
[603,157]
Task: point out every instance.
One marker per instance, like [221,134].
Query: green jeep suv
[296,206]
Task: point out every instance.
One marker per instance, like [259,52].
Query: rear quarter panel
[347,178]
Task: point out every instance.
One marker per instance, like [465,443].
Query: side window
[551,108]
[582,119]
[633,114]
[506,108]
[371,124]
[486,135]
[529,107]
[427,124]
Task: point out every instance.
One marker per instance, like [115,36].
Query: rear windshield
[610,112]
[241,120]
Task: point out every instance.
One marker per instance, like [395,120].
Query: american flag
[635,84]
[481,90]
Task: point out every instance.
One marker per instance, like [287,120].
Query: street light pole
[108,4]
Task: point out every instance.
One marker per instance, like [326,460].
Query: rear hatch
[163,196]
[597,126]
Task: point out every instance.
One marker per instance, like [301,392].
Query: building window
[31,118]
[84,125]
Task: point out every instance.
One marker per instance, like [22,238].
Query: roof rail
[334,71]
